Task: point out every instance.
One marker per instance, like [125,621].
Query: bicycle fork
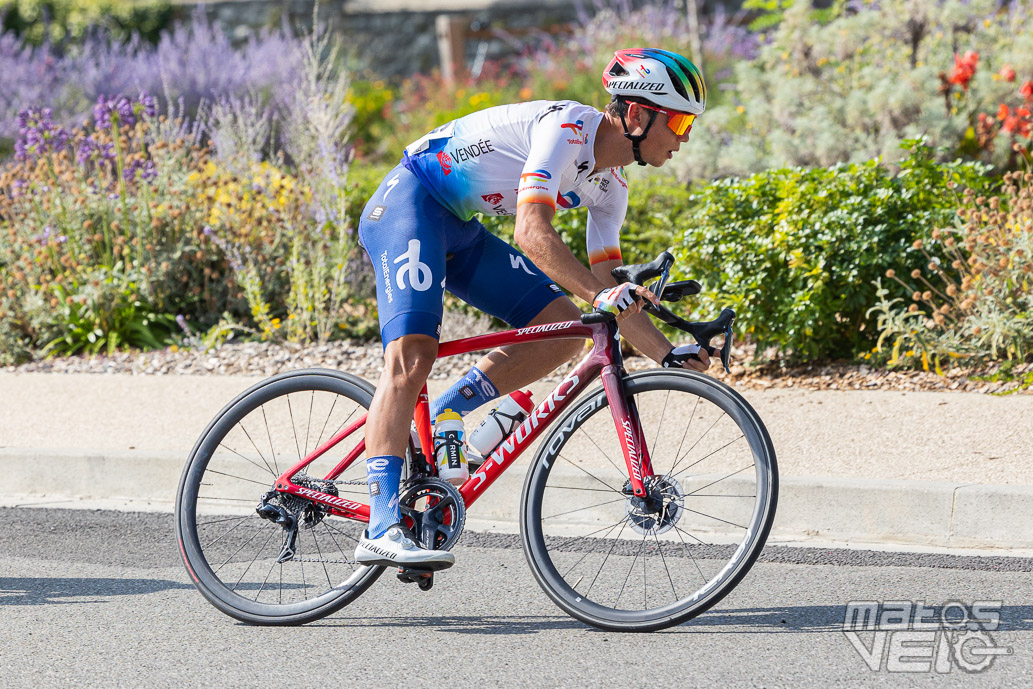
[629,429]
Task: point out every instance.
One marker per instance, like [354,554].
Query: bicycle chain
[343,482]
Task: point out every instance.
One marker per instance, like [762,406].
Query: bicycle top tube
[532,333]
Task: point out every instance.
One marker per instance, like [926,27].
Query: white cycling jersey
[537,152]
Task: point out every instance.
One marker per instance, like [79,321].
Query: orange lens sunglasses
[677,122]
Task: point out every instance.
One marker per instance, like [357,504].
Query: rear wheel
[297,563]
[627,563]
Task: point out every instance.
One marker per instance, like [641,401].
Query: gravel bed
[365,359]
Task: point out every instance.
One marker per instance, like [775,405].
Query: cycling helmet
[654,77]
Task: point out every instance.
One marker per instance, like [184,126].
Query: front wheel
[627,563]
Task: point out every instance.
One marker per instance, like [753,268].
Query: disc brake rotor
[660,510]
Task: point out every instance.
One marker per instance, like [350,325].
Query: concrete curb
[917,513]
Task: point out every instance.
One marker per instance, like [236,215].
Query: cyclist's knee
[410,358]
[562,309]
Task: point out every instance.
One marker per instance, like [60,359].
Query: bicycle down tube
[601,360]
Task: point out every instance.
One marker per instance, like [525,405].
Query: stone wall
[398,37]
[390,43]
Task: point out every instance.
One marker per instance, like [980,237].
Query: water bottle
[502,420]
[448,448]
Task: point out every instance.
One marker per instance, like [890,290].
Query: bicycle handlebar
[660,267]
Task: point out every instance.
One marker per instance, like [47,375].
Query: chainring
[434,511]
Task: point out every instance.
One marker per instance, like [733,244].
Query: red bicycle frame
[604,360]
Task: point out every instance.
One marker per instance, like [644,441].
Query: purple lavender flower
[116,107]
[88,148]
[49,235]
[145,168]
[38,134]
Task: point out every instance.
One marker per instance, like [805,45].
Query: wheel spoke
[294,427]
[269,434]
[709,455]
[689,451]
[247,459]
[334,539]
[308,422]
[590,474]
[613,545]
[660,550]
[330,413]
[630,570]
[228,532]
[604,453]
[240,478]
[608,529]
[685,549]
[253,561]
[748,466]
[244,428]
[582,509]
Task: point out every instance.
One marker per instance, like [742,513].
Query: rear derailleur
[292,512]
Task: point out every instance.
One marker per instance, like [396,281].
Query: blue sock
[469,392]
[382,476]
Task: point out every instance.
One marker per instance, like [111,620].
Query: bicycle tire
[548,547]
[210,577]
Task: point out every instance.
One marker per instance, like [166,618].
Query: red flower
[964,68]
[1018,123]
[1026,90]
[1002,112]
[1007,73]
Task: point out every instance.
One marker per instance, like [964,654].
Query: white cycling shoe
[397,548]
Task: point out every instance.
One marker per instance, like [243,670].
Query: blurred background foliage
[838,146]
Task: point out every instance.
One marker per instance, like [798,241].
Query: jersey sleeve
[606,219]
[553,148]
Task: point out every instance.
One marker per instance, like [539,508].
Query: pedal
[424,578]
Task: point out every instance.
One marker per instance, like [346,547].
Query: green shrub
[58,21]
[973,297]
[855,87]
[795,251]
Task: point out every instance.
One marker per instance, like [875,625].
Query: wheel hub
[660,509]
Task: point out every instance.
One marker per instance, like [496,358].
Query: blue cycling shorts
[419,249]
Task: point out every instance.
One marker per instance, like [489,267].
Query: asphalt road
[101,599]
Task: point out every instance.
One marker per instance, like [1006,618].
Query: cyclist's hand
[623,300]
[687,356]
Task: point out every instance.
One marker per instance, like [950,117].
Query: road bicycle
[647,502]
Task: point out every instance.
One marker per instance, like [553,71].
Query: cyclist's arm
[603,241]
[638,329]
[537,238]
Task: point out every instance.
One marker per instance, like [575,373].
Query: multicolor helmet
[660,77]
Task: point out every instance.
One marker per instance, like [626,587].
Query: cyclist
[419,230]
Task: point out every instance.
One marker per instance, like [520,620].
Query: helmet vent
[618,70]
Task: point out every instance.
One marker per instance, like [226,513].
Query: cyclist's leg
[404,232]
[486,272]
[515,366]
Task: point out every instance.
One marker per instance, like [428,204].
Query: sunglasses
[677,122]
